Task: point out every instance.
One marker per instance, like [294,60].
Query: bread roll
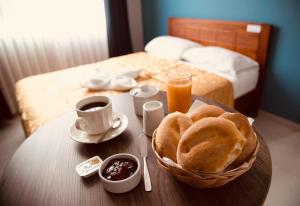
[206,111]
[242,123]
[210,145]
[169,132]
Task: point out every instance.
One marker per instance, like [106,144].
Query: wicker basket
[204,180]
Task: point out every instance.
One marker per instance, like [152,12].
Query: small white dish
[83,137]
[123,83]
[119,83]
[98,81]
[125,185]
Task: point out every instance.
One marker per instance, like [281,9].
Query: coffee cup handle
[81,124]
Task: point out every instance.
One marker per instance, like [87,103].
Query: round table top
[42,170]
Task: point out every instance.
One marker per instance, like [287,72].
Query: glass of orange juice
[179,90]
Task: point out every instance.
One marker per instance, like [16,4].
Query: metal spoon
[116,123]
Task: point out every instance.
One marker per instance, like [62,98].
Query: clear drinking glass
[179,90]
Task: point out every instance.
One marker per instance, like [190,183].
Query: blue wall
[282,89]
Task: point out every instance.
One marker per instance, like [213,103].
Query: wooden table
[42,171]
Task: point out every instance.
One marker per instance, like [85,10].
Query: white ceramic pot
[142,95]
[153,113]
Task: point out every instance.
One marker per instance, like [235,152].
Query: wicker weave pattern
[204,180]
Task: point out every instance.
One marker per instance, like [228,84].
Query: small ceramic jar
[143,94]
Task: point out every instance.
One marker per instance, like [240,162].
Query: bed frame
[250,39]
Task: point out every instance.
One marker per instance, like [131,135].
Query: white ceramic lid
[144,91]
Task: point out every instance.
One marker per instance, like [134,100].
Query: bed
[248,38]
[43,97]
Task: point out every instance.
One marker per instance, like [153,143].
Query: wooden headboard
[248,38]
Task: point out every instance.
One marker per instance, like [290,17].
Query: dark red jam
[119,169]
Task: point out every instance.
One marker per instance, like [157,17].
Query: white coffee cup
[94,120]
[153,113]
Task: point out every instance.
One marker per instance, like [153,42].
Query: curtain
[38,36]
[119,39]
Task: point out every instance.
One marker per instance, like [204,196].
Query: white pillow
[169,46]
[219,59]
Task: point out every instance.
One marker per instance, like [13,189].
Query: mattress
[243,82]
[43,97]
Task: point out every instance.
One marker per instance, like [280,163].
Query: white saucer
[83,137]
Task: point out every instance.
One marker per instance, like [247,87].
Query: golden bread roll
[206,111]
[210,145]
[169,132]
[242,123]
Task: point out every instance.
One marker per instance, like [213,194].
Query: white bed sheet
[244,82]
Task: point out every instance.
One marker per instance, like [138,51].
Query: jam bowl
[120,173]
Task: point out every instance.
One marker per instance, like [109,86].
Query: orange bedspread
[43,97]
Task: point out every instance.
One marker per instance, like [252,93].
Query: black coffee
[93,106]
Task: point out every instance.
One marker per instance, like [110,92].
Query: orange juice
[179,92]
[179,97]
